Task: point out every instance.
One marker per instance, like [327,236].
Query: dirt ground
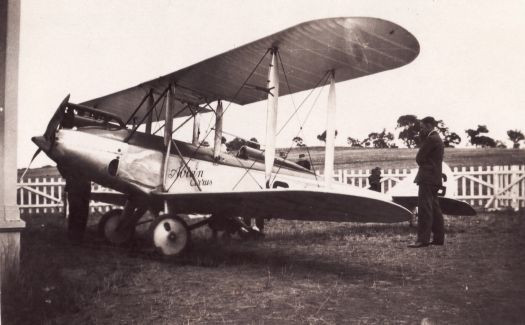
[301,273]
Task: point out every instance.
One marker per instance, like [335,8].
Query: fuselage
[136,167]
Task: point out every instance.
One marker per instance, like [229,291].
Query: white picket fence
[489,187]
[43,195]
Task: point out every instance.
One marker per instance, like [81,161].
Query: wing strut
[168,126]
[132,118]
[196,128]
[151,102]
[218,131]
[271,117]
[330,133]
[147,114]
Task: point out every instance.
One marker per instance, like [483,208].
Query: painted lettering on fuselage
[184,173]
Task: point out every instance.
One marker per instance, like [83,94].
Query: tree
[409,134]
[381,139]
[515,136]
[500,144]
[486,142]
[322,136]
[354,142]
[476,139]
[472,134]
[299,141]
[451,139]
[409,125]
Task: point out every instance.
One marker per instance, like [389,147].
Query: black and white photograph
[262,162]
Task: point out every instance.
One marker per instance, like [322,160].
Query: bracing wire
[231,101]
[325,77]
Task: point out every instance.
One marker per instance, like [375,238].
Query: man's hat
[429,120]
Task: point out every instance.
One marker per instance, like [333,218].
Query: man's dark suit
[429,159]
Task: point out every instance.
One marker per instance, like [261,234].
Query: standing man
[375,180]
[429,159]
[78,195]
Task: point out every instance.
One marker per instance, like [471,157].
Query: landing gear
[118,225]
[170,235]
[108,228]
[232,225]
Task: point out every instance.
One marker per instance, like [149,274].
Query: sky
[470,69]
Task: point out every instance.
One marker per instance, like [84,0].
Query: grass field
[301,273]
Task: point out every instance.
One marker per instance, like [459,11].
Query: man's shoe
[437,243]
[418,244]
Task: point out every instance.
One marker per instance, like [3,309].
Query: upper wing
[315,205]
[352,47]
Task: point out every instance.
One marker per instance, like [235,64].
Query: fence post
[514,190]
[64,201]
[345,176]
[495,175]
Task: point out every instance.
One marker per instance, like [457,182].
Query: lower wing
[313,205]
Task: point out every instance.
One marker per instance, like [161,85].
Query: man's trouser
[430,218]
[78,195]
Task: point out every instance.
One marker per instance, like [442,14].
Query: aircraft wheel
[107,227]
[170,235]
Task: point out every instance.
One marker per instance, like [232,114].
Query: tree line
[408,127]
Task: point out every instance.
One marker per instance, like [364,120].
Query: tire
[107,225]
[170,235]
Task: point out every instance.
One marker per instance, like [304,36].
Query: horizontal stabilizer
[405,193]
[448,206]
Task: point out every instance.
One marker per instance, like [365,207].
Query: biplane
[110,140]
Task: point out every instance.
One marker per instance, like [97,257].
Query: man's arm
[427,147]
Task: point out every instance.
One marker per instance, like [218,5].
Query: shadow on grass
[58,279]
[277,258]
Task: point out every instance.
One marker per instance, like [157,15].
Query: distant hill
[360,158]
[366,158]
[46,171]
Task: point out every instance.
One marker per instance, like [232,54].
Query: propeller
[77,188]
[55,121]
[37,152]
[46,142]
